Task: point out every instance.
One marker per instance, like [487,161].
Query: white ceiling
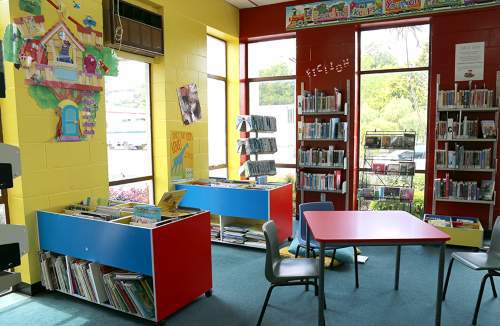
[253,3]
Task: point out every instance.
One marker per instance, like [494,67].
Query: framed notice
[469,61]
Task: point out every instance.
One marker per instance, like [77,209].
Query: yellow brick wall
[53,174]
[58,174]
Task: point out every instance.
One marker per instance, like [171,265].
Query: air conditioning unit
[132,28]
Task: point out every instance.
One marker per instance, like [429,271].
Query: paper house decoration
[68,128]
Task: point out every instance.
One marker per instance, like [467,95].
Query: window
[217,106]
[3,193]
[394,80]
[128,125]
[271,72]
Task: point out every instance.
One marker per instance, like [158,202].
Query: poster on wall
[189,103]
[330,12]
[181,155]
[469,61]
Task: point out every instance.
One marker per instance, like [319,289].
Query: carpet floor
[240,288]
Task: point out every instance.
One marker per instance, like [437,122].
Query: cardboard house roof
[54,29]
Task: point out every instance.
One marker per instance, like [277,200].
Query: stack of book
[331,129]
[465,190]
[255,236]
[146,215]
[321,182]
[319,102]
[321,157]
[130,292]
[476,98]
[54,272]
[258,168]
[215,231]
[234,234]
[461,158]
[248,123]
[257,146]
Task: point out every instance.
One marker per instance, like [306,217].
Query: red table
[373,228]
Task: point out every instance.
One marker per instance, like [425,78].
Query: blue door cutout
[70,123]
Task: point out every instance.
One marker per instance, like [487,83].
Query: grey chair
[281,271]
[480,261]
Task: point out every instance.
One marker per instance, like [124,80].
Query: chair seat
[288,269]
[477,260]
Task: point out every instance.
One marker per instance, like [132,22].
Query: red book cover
[125,297]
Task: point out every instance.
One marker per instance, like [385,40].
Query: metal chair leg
[314,253]
[297,251]
[333,258]
[268,295]
[493,286]
[479,297]
[316,287]
[447,278]
[356,266]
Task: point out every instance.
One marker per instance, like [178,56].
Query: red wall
[334,43]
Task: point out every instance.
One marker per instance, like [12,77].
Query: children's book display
[388,170]
[323,145]
[239,208]
[64,65]
[465,162]
[255,146]
[463,231]
[115,255]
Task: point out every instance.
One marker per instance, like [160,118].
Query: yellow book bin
[464,231]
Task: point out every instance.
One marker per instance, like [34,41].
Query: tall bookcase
[465,157]
[323,144]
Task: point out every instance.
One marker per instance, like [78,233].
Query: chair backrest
[495,239]
[272,249]
[313,206]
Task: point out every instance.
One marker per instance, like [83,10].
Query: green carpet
[240,287]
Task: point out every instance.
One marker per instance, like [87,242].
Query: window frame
[361,72]
[4,200]
[223,79]
[250,80]
[149,177]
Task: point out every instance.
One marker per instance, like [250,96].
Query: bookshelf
[323,144]
[465,164]
[255,124]
[119,247]
[388,169]
[241,207]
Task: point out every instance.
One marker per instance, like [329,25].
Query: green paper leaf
[12,43]
[44,97]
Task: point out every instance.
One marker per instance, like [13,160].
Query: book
[97,282]
[487,189]
[488,129]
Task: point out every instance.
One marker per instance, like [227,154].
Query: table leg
[398,263]
[308,246]
[439,294]
[321,296]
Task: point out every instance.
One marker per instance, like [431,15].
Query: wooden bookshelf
[343,144]
[444,113]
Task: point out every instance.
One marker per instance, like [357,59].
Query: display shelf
[382,172]
[476,140]
[342,117]
[301,166]
[322,113]
[455,109]
[137,249]
[453,200]
[453,116]
[466,170]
